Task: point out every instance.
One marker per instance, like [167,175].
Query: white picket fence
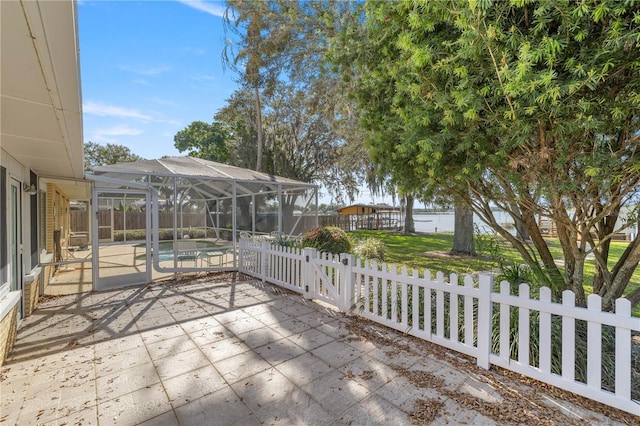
[470,318]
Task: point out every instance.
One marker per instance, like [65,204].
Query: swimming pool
[166,252]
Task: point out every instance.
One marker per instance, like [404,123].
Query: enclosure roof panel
[192,167]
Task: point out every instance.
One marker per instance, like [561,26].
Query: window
[4,264]
[43,222]
[35,230]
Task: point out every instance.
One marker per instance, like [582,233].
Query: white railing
[470,318]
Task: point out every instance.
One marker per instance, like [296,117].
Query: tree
[96,155]
[529,107]
[203,140]
[280,44]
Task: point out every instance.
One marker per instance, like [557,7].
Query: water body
[445,222]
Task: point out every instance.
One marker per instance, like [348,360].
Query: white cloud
[203,77]
[198,51]
[215,9]
[120,131]
[141,81]
[147,72]
[165,102]
[107,135]
[103,110]
[111,134]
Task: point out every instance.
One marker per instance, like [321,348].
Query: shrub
[328,239]
[370,248]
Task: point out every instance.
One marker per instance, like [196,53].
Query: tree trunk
[521,229]
[463,231]
[258,128]
[409,225]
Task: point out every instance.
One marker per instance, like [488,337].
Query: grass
[427,251]
[412,251]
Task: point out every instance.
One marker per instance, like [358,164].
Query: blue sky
[149,68]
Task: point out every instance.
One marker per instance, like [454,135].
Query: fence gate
[120,260]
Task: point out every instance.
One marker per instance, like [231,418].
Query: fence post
[241,246]
[347,282]
[307,270]
[484,321]
[264,260]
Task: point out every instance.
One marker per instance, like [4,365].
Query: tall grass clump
[370,248]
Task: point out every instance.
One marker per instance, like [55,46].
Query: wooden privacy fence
[495,327]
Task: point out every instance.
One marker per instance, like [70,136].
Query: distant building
[366,216]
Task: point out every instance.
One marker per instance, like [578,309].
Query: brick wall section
[31,295]
[47,274]
[8,332]
[50,223]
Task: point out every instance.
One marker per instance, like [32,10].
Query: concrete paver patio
[225,350]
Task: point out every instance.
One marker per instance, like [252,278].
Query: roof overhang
[41,112]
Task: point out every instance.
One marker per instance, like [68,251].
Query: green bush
[370,248]
[328,239]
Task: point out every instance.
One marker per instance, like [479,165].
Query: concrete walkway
[218,351]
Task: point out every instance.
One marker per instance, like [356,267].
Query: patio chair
[186,250]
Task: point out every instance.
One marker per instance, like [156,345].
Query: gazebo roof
[192,167]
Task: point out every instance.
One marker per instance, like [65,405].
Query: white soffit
[41,114]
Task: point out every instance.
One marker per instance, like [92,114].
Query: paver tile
[134,407]
[335,392]
[311,339]
[264,388]
[259,337]
[222,407]
[373,411]
[336,354]
[295,408]
[369,372]
[174,365]
[126,381]
[205,352]
[304,369]
[223,349]
[241,366]
[290,327]
[170,346]
[166,419]
[193,385]
[279,351]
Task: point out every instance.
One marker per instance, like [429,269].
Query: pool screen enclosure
[195,210]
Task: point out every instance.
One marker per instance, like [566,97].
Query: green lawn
[421,252]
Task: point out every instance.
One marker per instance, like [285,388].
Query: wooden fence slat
[545,333]
[523,327]
[505,323]
[594,345]
[568,338]
[623,352]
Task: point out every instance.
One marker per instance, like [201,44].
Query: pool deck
[227,350]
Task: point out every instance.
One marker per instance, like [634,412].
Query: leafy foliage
[295,118]
[528,106]
[96,155]
[328,239]
[203,140]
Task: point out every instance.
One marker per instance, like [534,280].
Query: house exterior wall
[8,330]
[58,216]
[41,133]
